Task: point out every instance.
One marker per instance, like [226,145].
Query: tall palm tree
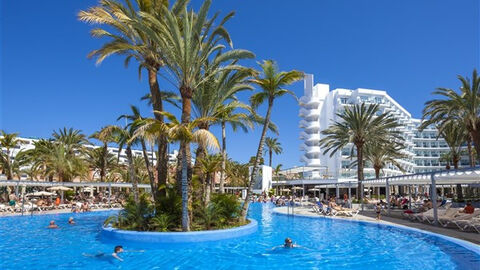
[8,141]
[273,146]
[228,114]
[463,107]
[185,133]
[360,125]
[187,42]
[132,42]
[135,116]
[272,83]
[210,98]
[454,136]
[124,137]
[380,155]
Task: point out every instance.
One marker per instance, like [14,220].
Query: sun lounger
[457,218]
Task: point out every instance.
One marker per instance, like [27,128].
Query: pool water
[25,243]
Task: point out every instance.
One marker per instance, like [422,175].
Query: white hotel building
[318,108]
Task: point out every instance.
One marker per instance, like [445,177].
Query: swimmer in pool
[52,225]
[117,250]
[288,243]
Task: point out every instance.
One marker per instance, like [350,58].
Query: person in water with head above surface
[52,225]
[116,251]
[288,243]
[71,221]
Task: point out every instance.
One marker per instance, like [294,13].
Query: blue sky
[404,47]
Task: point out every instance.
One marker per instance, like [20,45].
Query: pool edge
[179,237]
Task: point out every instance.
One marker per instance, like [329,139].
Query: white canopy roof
[451,177]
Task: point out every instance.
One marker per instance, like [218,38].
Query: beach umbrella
[59,188]
[41,193]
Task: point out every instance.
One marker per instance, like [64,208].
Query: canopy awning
[450,177]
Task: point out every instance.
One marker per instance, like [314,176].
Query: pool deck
[49,212]
[472,237]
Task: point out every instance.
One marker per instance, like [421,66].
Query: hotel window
[343,100]
[378,100]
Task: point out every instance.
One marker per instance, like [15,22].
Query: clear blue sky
[404,47]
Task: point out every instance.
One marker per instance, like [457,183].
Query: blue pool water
[326,244]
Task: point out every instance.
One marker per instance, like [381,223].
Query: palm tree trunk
[455,160]
[186,166]
[360,171]
[270,156]
[185,215]
[377,172]
[257,159]
[151,177]
[208,189]
[475,134]
[9,166]
[200,154]
[131,172]
[471,156]
[162,159]
[104,162]
[224,159]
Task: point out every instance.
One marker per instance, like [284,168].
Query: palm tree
[227,114]
[210,99]
[124,137]
[272,83]
[380,155]
[185,133]
[101,161]
[463,107]
[447,158]
[273,146]
[237,174]
[187,42]
[100,158]
[210,164]
[8,141]
[454,136]
[55,158]
[135,116]
[72,139]
[131,42]
[360,125]
[277,170]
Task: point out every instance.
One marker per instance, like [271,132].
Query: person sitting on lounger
[469,209]
[332,204]
[52,225]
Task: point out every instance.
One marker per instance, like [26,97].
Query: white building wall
[420,158]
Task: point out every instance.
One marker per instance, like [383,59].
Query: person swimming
[288,243]
[102,256]
[52,225]
[71,221]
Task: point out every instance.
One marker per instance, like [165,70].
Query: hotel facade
[318,108]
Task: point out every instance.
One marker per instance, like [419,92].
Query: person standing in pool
[52,225]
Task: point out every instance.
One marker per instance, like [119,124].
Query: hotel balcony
[308,101]
[309,113]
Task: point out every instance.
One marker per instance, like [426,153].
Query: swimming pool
[326,244]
